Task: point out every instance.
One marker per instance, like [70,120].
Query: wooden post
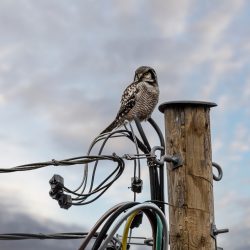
[190,187]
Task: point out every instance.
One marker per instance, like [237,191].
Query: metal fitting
[220,172]
[175,159]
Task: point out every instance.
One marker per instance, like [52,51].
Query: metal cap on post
[166,105]
[190,187]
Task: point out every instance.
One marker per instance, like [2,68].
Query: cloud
[240,144]
[21,222]
[63,67]
[239,228]
[171,18]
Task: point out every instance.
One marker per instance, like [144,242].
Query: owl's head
[146,74]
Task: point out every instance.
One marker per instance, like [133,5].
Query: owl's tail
[112,126]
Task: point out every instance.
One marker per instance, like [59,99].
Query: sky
[63,68]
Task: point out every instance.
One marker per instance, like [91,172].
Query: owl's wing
[129,93]
[128,99]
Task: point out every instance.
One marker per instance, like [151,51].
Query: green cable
[158,233]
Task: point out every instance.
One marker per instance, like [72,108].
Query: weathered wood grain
[190,187]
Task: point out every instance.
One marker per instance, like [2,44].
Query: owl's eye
[147,75]
[138,76]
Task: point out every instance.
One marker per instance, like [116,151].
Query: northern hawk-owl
[139,98]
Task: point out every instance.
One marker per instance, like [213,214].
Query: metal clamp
[175,159]
[220,172]
[149,242]
[215,231]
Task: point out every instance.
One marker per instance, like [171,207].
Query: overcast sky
[63,67]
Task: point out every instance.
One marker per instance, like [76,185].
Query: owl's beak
[150,80]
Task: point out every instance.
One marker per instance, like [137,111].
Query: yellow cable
[126,229]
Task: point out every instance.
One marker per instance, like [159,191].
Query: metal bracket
[175,159]
[215,231]
[136,184]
